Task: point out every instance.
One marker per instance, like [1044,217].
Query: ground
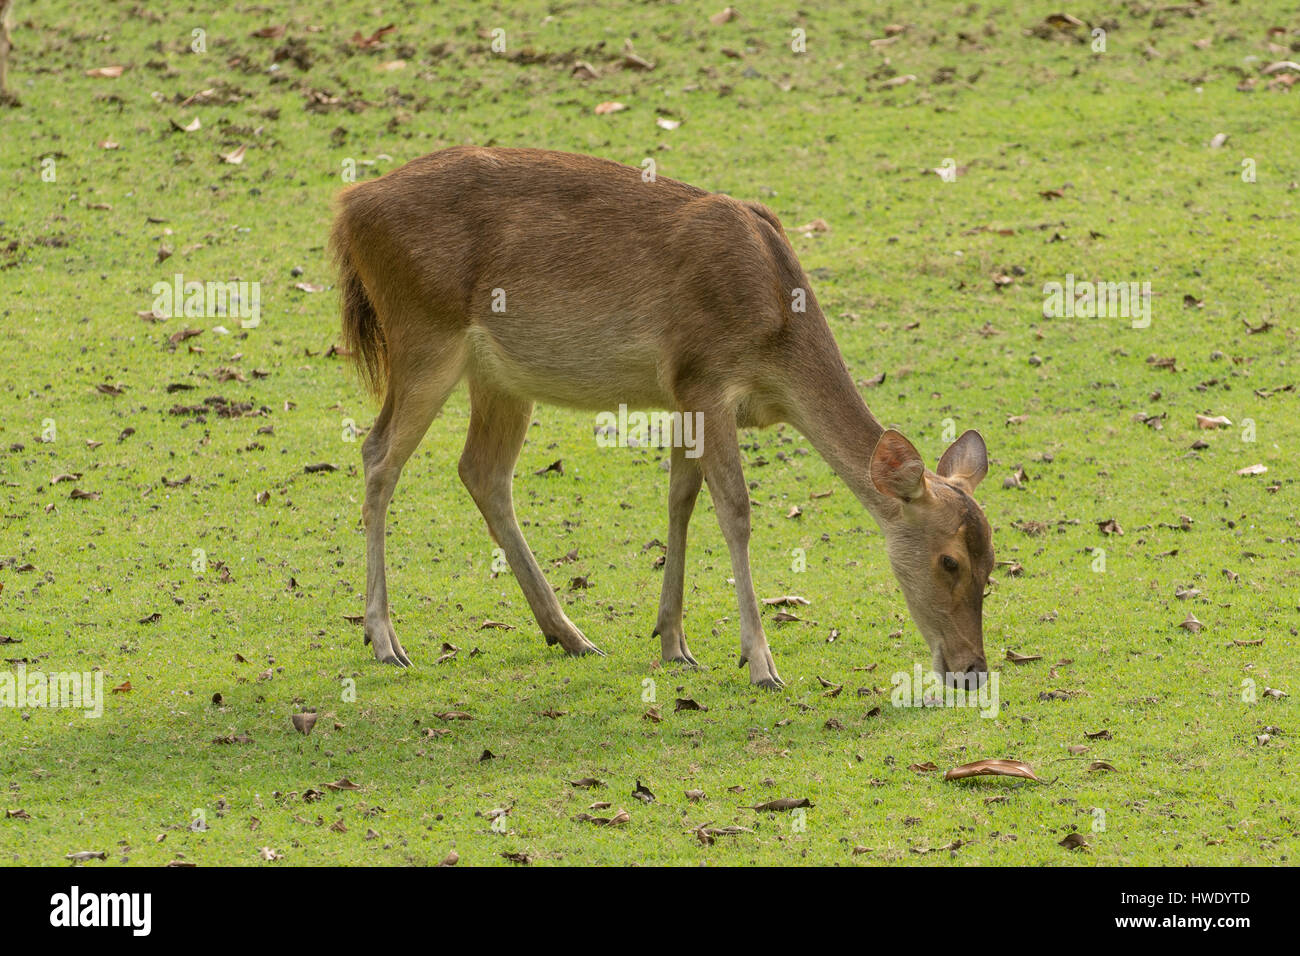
[215,583]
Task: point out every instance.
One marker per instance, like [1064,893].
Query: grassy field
[210,578]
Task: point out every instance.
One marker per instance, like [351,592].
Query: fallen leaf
[1218,421]
[782,804]
[303,722]
[994,767]
[1016,658]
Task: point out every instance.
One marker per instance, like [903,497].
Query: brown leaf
[106,72]
[366,43]
[928,767]
[343,783]
[1218,421]
[304,722]
[725,15]
[816,225]
[782,804]
[995,767]
[1074,841]
[687,703]
[609,107]
[1190,623]
[269,33]
[123,688]
[1017,658]
[1100,765]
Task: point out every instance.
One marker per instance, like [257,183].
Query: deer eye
[949,562]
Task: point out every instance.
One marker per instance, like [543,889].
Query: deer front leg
[726,478]
[497,426]
[683,488]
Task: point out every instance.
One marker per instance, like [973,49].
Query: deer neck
[828,410]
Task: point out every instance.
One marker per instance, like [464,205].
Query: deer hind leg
[497,426]
[416,392]
[720,462]
[683,488]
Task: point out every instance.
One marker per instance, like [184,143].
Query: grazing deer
[553,277]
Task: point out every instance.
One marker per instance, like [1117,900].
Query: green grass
[1124,135]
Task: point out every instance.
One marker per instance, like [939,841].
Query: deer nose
[973,678]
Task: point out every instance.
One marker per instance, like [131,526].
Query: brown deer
[571,280]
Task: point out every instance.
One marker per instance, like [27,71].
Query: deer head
[940,546]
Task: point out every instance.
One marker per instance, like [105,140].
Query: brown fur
[6,44]
[616,291]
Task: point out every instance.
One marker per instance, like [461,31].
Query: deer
[542,276]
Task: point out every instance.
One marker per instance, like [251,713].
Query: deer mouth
[972,677]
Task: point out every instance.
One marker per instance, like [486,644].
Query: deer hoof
[762,672]
[674,649]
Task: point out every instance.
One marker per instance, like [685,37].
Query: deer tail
[363,336]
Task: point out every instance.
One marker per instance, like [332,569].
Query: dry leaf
[1002,768]
[1016,658]
[782,804]
[303,723]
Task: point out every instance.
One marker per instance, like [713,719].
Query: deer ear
[896,468]
[966,461]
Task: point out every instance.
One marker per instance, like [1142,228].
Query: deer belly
[599,371]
